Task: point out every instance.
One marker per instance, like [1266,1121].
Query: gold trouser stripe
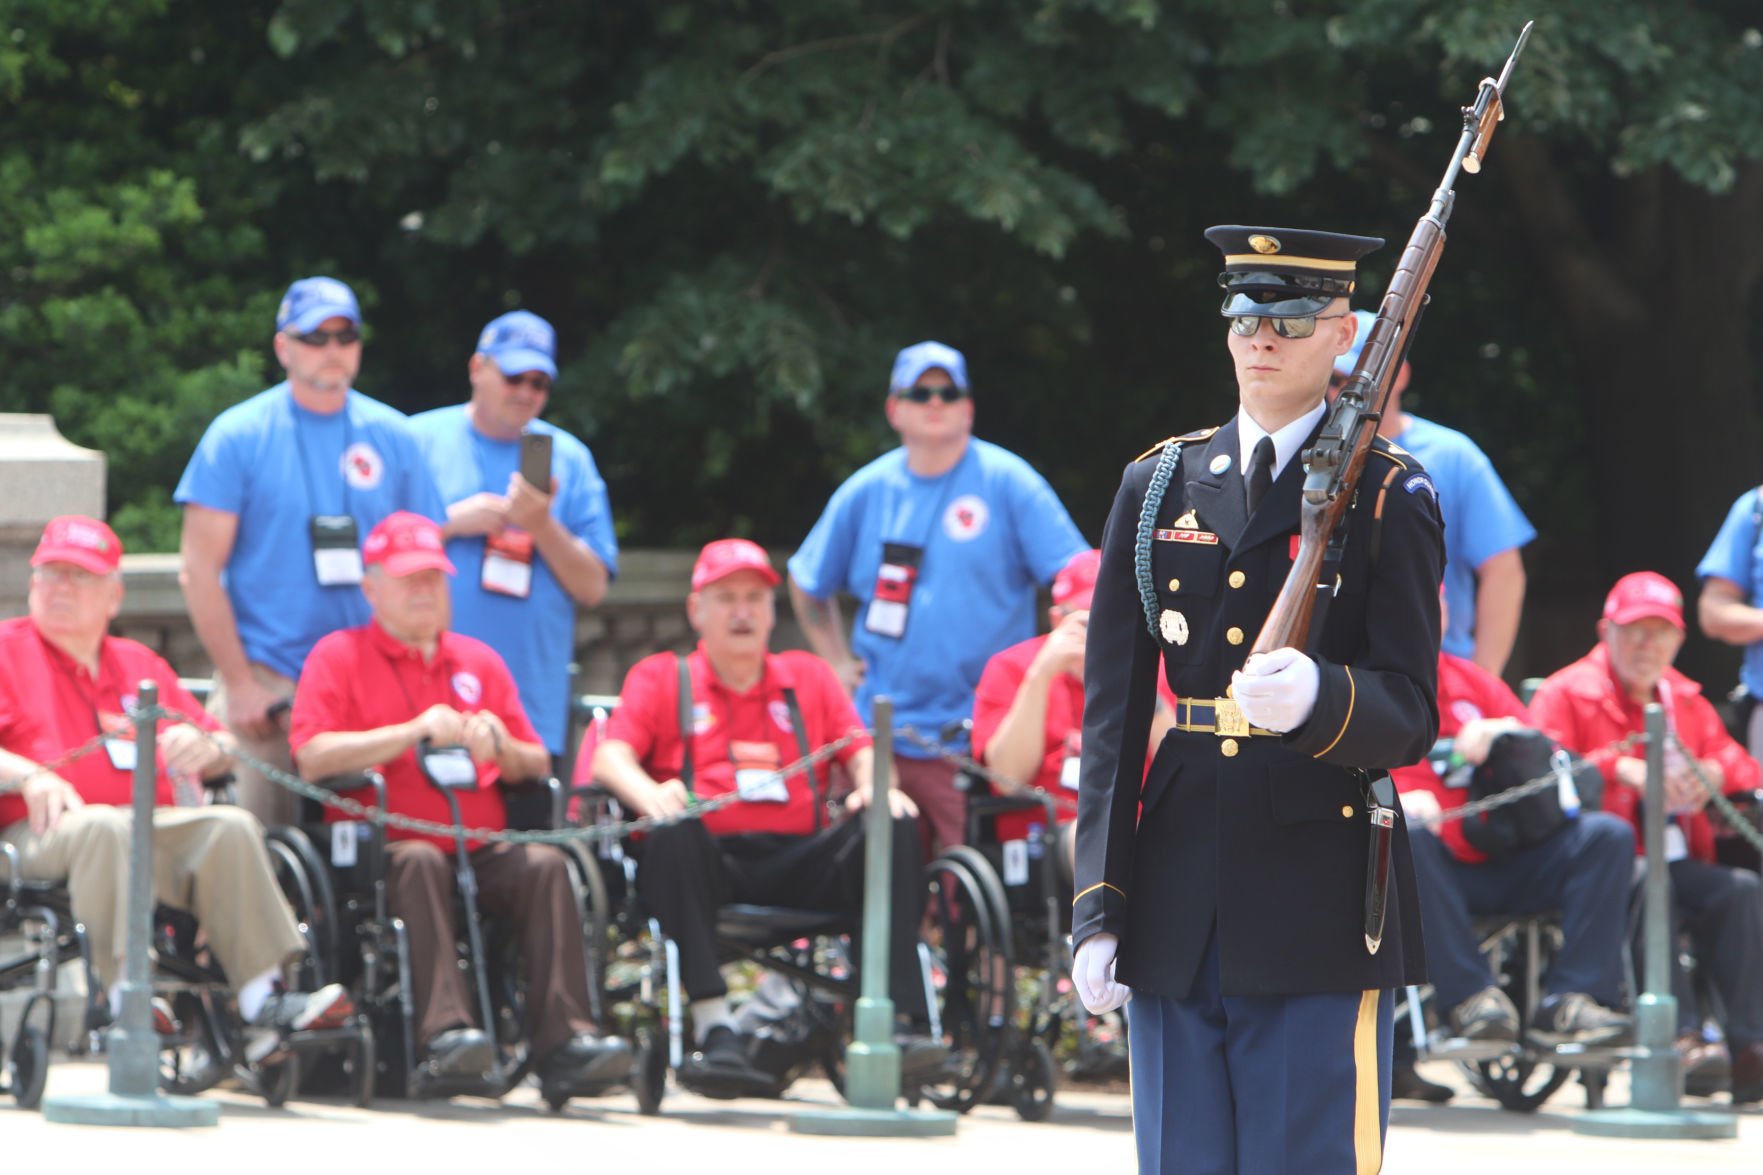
[1367,1115]
[1097,886]
[1273,261]
[1352,696]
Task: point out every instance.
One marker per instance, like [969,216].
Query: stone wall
[42,475]
[644,612]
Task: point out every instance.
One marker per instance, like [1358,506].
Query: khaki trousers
[209,861]
[258,794]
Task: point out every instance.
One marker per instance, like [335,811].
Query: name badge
[1015,862]
[1676,848]
[336,550]
[508,564]
[891,602]
[121,752]
[756,777]
[1069,771]
[343,841]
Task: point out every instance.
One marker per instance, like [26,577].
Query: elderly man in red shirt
[1581,868]
[751,712]
[1029,707]
[66,682]
[368,699]
[1595,707]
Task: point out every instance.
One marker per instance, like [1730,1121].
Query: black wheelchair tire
[1033,1079]
[975,1022]
[649,1073]
[277,1080]
[28,1062]
[1519,1083]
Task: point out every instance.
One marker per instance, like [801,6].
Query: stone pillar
[42,475]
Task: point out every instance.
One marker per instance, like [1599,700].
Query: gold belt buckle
[1228,718]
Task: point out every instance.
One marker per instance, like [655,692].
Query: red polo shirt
[737,729]
[49,705]
[363,678]
[1466,692]
[1061,737]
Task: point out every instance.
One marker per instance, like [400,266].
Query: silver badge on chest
[1174,626]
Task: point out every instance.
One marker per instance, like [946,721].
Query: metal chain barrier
[1735,819]
[17,782]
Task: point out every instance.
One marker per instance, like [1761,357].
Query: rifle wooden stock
[1333,465]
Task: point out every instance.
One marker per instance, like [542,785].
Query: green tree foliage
[735,212]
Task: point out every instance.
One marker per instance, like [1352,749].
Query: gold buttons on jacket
[1234,635]
[1228,748]
[1346,811]
[1175,585]
[1237,579]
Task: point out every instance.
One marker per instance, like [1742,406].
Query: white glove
[1093,974]
[1277,690]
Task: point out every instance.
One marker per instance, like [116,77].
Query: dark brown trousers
[529,885]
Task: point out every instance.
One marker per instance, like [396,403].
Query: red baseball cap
[405,543]
[724,557]
[84,542]
[1076,581]
[1641,594]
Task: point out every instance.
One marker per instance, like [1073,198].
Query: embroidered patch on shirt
[1421,481]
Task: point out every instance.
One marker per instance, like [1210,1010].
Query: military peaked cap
[1286,272]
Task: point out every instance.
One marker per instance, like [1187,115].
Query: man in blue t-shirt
[1730,608]
[526,555]
[1484,527]
[942,542]
[280,492]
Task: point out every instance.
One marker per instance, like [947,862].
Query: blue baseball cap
[919,358]
[520,341]
[1345,363]
[311,300]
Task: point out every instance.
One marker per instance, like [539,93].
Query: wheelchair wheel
[277,1080]
[202,1053]
[305,882]
[361,1065]
[1032,1082]
[649,1073]
[971,968]
[1519,1083]
[595,904]
[28,1066]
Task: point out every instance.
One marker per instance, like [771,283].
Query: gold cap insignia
[1262,243]
[1187,522]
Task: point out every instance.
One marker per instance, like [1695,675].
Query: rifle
[1332,466]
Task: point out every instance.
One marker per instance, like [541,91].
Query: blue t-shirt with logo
[991,529]
[535,636]
[276,465]
[1481,518]
[1737,555]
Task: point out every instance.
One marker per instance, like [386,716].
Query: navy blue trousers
[1582,870]
[1263,1085]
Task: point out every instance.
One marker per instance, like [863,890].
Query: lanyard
[398,676]
[57,658]
[300,448]
[930,528]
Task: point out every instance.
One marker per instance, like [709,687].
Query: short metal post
[872,1062]
[133,1046]
[1656,1081]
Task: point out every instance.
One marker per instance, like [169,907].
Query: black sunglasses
[1286,328]
[537,381]
[320,338]
[919,394]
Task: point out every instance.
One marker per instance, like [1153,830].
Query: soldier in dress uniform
[1229,894]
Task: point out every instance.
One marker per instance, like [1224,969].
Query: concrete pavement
[1090,1132]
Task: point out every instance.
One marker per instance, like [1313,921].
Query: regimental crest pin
[1220,463]
[1186,522]
[1262,243]
[1174,626]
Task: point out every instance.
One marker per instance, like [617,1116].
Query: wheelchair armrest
[221,789]
[534,804]
[14,875]
[351,781]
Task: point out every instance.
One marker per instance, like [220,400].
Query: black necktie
[1260,477]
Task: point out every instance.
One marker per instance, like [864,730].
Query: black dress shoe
[720,1068]
[1407,1083]
[586,1060]
[460,1052]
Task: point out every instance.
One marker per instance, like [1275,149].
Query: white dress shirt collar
[1286,442]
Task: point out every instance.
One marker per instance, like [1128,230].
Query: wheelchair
[361,944]
[961,956]
[207,1044]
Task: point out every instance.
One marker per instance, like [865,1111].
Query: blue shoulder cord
[1154,492]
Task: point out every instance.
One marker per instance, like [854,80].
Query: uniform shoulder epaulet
[1396,453]
[1197,435]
